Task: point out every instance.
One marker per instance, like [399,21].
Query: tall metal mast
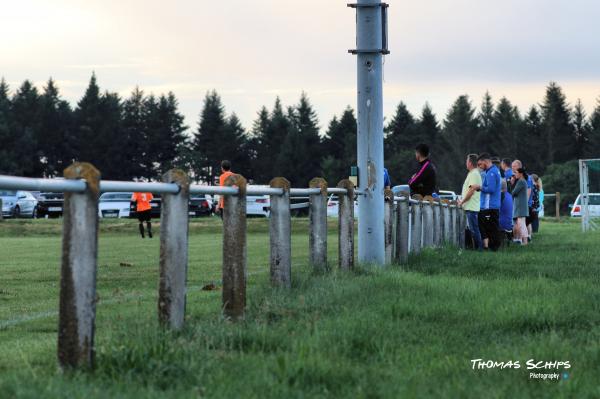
[371,44]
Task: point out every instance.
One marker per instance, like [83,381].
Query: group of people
[502,202]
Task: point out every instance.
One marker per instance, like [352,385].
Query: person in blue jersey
[506,166]
[489,213]
[387,182]
[506,211]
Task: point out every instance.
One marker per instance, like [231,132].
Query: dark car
[199,205]
[50,205]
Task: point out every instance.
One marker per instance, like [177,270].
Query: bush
[563,178]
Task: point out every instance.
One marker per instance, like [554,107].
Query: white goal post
[585,165]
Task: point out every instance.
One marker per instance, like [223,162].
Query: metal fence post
[428,228]
[437,223]
[402,230]
[388,217]
[174,228]
[280,233]
[346,226]
[446,218]
[318,225]
[417,227]
[234,249]
[77,309]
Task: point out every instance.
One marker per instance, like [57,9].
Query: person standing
[506,166]
[517,164]
[225,173]
[387,182]
[537,197]
[143,209]
[470,200]
[520,207]
[424,181]
[506,211]
[489,212]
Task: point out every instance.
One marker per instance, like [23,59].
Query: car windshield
[8,193]
[115,197]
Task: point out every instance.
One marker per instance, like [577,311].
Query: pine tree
[531,145]
[7,161]
[503,139]
[25,123]
[428,127]
[339,147]
[457,140]
[557,132]
[120,157]
[262,143]
[399,144]
[87,140]
[594,147]
[135,136]
[485,120]
[581,130]
[55,138]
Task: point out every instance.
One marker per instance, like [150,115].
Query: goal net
[589,193]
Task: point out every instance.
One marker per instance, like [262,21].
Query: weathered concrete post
[346,226]
[447,237]
[174,251]
[453,220]
[77,308]
[280,233]
[437,223]
[388,224]
[417,226]
[402,230]
[234,249]
[1,216]
[462,225]
[428,222]
[318,225]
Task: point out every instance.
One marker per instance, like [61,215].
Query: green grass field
[406,331]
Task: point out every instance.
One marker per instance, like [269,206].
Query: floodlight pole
[371,45]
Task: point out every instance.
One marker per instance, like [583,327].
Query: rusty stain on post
[318,225]
[234,249]
[280,234]
[388,218]
[174,229]
[346,226]
[77,305]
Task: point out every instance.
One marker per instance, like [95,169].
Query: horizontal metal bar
[124,186]
[337,191]
[369,51]
[300,205]
[218,190]
[367,5]
[50,185]
[304,191]
[263,191]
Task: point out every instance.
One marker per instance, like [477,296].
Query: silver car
[18,204]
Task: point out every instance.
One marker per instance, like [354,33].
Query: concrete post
[447,237]
[318,225]
[280,233]
[437,224]
[1,216]
[462,217]
[234,249]
[402,231]
[174,251]
[369,42]
[417,228]
[77,308]
[428,222]
[557,206]
[388,218]
[453,228]
[346,226]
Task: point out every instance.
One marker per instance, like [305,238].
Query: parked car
[17,204]
[258,205]
[403,188]
[594,206]
[50,205]
[114,205]
[333,207]
[448,195]
[200,205]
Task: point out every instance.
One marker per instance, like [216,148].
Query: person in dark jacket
[424,181]
[520,205]
[489,213]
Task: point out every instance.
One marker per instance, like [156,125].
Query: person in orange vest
[225,173]
[143,208]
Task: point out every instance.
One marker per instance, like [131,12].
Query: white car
[114,205]
[333,207]
[258,205]
[594,206]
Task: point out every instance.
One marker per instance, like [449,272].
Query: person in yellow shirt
[143,208]
[470,200]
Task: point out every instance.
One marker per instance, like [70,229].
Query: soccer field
[406,331]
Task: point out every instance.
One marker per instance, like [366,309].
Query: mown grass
[406,331]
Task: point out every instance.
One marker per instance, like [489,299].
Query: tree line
[142,136]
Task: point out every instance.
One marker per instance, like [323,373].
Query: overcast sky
[252,51]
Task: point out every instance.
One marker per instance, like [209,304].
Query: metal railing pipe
[34,184]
